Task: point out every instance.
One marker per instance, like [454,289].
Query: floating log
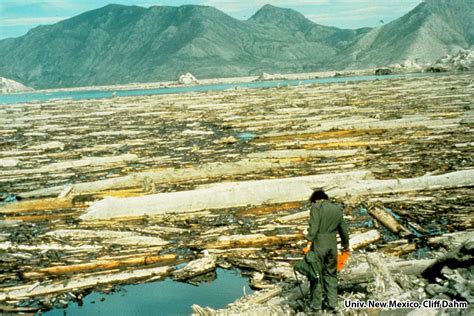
[455,179]
[384,286]
[108,237]
[362,274]
[222,195]
[256,240]
[302,153]
[81,282]
[364,239]
[99,265]
[400,250]
[195,268]
[168,175]
[36,205]
[265,209]
[386,219]
[367,187]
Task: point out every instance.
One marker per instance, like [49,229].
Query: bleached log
[84,162]
[218,196]
[170,175]
[360,123]
[98,265]
[361,240]
[400,250]
[452,239]
[81,282]
[36,205]
[367,187]
[362,274]
[384,286]
[304,153]
[250,305]
[44,247]
[195,268]
[48,146]
[256,240]
[9,162]
[108,237]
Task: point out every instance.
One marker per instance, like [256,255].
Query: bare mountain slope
[433,29]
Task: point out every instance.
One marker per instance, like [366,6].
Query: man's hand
[308,247]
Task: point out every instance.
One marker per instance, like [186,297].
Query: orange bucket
[342,259]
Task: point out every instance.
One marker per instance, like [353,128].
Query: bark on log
[36,205]
[99,265]
[386,219]
[218,196]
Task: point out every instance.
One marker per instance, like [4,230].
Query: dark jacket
[325,219]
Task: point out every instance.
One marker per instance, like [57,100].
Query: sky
[19,16]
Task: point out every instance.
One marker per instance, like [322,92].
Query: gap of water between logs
[165,297]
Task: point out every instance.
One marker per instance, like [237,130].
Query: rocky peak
[269,14]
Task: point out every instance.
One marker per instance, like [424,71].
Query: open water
[41,96]
[162,298]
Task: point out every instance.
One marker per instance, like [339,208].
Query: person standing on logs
[326,218]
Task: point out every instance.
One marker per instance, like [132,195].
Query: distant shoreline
[213,81]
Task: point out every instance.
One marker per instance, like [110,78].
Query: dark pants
[325,288]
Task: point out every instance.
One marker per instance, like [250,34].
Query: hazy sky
[18,16]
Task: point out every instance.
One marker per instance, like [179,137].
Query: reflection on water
[162,298]
[101,94]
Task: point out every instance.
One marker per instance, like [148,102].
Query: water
[162,298]
[101,94]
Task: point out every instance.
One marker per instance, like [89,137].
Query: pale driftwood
[81,282]
[49,146]
[294,217]
[401,249]
[255,240]
[7,245]
[222,195]
[384,286]
[358,123]
[169,175]
[250,305]
[195,268]
[452,239]
[108,237]
[302,153]
[98,265]
[362,240]
[367,187]
[36,205]
[84,162]
[362,274]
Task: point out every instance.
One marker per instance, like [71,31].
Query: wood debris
[91,191]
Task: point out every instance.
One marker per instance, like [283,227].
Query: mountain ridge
[119,44]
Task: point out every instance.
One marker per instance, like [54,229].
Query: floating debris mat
[126,190]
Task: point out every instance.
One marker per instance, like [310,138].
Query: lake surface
[101,94]
[162,298]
